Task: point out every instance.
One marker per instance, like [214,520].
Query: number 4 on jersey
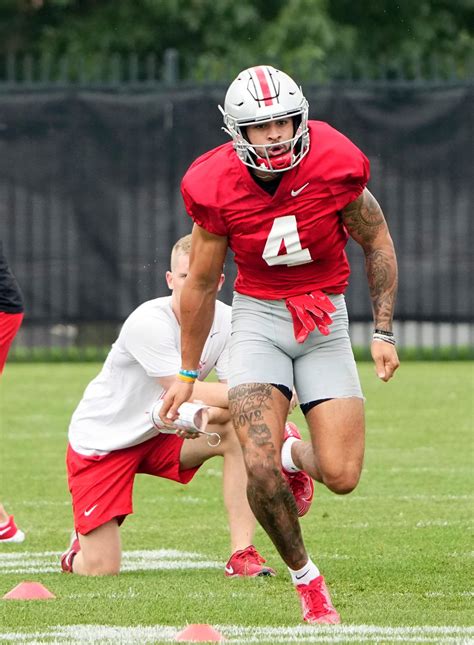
[284,237]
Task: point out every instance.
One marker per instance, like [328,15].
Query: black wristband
[382,332]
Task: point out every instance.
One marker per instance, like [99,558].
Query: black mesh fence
[90,204]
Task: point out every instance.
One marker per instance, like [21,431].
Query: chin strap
[310,311]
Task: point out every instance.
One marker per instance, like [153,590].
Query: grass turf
[396,552]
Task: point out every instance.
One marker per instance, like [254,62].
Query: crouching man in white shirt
[111,436]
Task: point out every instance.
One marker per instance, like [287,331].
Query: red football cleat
[316,603]
[69,555]
[300,483]
[9,532]
[247,563]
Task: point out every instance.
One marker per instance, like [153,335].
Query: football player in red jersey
[285,195]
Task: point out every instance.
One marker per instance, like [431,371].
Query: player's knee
[97,564]
[341,480]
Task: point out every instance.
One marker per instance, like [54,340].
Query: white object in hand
[193,417]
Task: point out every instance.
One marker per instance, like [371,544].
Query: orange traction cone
[29,591]
[200,634]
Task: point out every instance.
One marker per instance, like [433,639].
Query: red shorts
[102,486]
[9,325]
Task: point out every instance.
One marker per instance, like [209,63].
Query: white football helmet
[261,94]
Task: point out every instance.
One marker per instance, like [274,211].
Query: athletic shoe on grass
[300,483]
[69,555]
[247,563]
[316,603]
[9,532]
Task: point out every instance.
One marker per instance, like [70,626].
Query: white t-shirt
[114,410]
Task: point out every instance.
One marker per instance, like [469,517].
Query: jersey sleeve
[342,166]
[203,215]
[151,341]
[352,176]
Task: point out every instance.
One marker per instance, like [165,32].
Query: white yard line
[26,562]
[48,561]
[304,634]
[409,498]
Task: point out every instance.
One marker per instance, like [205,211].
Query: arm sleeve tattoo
[366,224]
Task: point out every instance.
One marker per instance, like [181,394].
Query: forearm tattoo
[365,222]
[381,271]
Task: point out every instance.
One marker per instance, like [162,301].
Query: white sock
[3,524]
[286,458]
[306,574]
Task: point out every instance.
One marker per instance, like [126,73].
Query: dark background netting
[90,204]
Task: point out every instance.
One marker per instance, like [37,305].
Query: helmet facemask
[259,95]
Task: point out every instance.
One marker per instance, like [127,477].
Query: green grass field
[397,553]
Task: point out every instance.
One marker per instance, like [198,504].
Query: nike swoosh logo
[295,193]
[302,575]
[229,570]
[89,510]
[3,531]
[216,332]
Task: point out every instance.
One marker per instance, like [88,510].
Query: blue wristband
[189,373]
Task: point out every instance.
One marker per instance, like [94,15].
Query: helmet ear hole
[258,95]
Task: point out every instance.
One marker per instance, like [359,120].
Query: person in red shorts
[113,435]
[11,317]
[11,308]
[285,195]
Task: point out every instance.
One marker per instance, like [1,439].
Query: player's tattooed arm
[365,222]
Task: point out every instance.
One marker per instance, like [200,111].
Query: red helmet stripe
[265,92]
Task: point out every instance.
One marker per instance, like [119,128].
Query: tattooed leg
[258,412]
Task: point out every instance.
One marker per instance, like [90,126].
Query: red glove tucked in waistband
[309,311]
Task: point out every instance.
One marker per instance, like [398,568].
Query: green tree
[313,39]
[420,32]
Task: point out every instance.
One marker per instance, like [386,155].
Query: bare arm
[197,305]
[198,296]
[215,394]
[366,224]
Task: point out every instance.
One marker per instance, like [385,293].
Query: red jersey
[291,242]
